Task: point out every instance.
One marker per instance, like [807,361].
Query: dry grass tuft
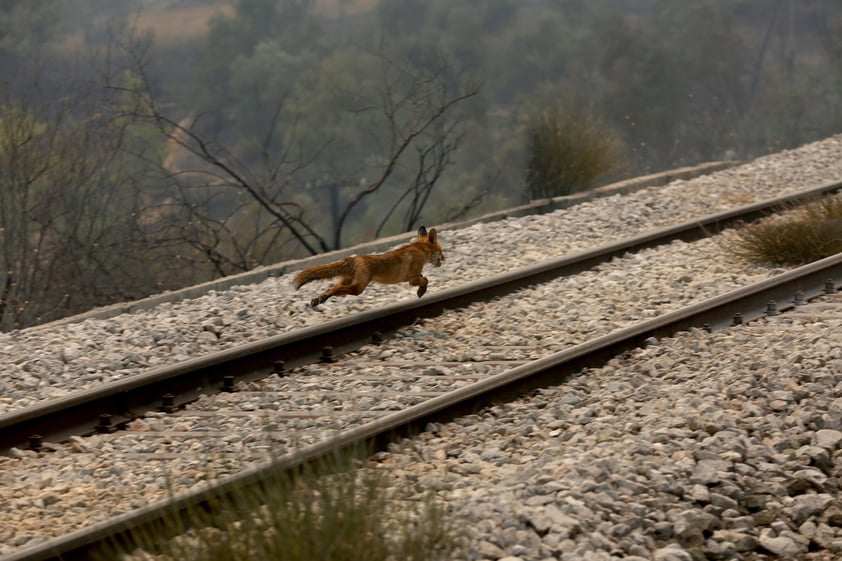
[569,151]
[335,512]
[798,236]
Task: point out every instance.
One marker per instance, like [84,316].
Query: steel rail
[85,411]
[536,207]
[167,518]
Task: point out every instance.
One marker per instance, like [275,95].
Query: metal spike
[227,384]
[104,425]
[168,403]
[327,354]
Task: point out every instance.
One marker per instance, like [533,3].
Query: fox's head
[431,239]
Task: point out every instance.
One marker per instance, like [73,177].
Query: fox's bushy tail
[317,272]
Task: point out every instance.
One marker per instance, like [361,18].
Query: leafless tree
[264,215]
[416,106]
[70,208]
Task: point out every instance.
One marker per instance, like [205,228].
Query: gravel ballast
[721,445]
[667,453]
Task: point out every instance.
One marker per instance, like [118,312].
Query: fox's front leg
[421,282]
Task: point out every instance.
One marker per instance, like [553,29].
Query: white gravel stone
[646,471]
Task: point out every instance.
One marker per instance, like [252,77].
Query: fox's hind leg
[421,282]
[319,299]
[338,289]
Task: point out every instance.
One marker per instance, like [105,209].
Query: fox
[403,264]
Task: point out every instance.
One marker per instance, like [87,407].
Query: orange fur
[355,273]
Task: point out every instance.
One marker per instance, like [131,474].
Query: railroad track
[112,405]
[469,381]
[384,427]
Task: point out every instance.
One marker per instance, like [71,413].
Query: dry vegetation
[569,151]
[795,237]
[179,24]
[172,25]
[334,8]
[334,511]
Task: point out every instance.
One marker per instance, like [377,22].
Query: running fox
[403,264]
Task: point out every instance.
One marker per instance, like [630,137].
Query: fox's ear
[432,235]
[422,232]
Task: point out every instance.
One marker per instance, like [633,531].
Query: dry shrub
[333,512]
[569,151]
[798,236]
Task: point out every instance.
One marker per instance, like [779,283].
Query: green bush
[568,152]
[802,235]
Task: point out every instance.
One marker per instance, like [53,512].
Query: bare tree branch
[428,100]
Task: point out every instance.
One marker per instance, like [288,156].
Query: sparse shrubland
[154,144]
